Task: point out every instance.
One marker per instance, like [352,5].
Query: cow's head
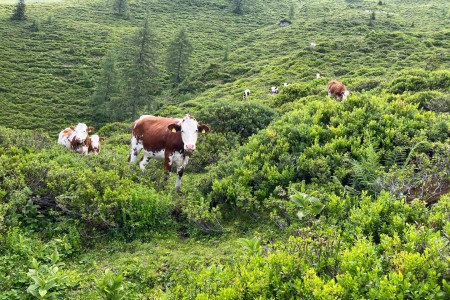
[81,132]
[189,129]
[95,142]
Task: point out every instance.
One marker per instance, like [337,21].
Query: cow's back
[154,134]
[64,137]
[336,87]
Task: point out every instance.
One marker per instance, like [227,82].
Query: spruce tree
[238,6]
[106,93]
[120,7]
[179,52]
[291,12]
[19,11]
[140,73]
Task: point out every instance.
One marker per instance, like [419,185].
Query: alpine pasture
[291,195]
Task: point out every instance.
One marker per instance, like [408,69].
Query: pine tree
[291,12]
[140,73]
[120,7]
[238,6]
[19,11]
[105,97]
[178,54]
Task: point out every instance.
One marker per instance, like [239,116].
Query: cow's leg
[145,160]
[135,148]
[181,163]
[167,165]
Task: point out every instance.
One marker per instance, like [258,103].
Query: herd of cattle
[335,89]
[170,139]
[78,139]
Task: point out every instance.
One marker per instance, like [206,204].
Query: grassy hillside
[290,196]
[49,73]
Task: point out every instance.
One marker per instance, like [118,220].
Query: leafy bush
[244,119]
[319,141]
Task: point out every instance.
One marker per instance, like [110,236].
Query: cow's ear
[102,139]
[203,128]
[90,129]
[174,127]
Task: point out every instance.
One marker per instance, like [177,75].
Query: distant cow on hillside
[274,90]
[246,94]
[337,89]
[168,138]
[74,137]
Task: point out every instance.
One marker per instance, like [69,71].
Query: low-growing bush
[242,118]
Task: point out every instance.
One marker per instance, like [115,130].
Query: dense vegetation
[293,195]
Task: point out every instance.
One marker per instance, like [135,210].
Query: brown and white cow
[168,138]
[337,89]
[74,137]
[93,143]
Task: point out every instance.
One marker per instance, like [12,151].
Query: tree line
[131,78]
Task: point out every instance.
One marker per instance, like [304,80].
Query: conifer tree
[238,6]
[107,91]
[140,73]
[179,52]
[120,7]
[291,12]
[19,11]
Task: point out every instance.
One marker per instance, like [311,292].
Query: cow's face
[189,129]
[95,142]
[81,132]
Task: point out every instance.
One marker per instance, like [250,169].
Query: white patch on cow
[80,132]
[64,139]
[178,158]
[149,155]
[246,93]
[346,93]
[189,133]
[181,162]
[274,90]
[83,150]
[135,149]
[95,141]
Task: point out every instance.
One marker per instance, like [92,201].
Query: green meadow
[290,196]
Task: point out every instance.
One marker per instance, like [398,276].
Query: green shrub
[244,119]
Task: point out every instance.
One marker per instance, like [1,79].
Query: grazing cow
[246,94]
[337,90]
[317,75]
[74,137]
[168,138]
[273,90]
[312,45]
[93,143]
[285,84]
